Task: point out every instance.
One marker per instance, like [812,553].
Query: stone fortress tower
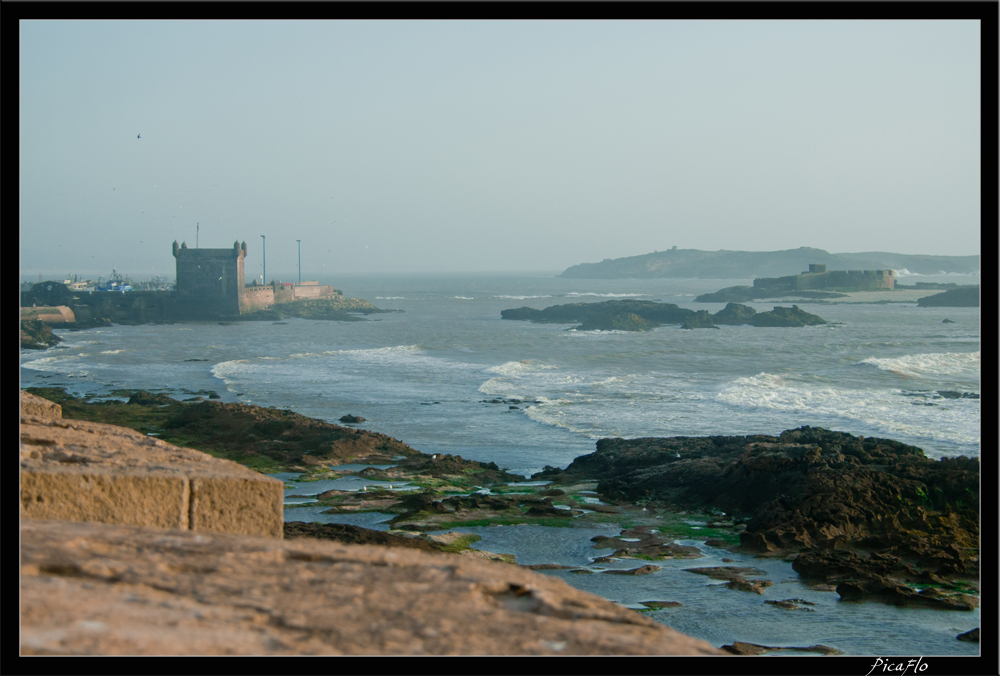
[209,281]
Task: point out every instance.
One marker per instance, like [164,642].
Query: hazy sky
[520,146]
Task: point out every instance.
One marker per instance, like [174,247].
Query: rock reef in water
[786,317]
[642,315]
[873,516]
[964,296]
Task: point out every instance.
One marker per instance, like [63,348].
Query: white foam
[462,298]
[390,298]
[935,364]
[520,297]
[575,294]
[517,367]
[881,409]
[110,352]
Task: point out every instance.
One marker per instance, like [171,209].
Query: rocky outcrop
[625,315]
[786,317]
[734,313]
[36,335]
[912,520]
[699,320]
[642,315]
[336,308]
[621,321]
[964,296]
[100,589]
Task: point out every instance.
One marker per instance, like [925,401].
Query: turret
[175,248]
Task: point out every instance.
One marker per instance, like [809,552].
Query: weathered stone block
[82,471]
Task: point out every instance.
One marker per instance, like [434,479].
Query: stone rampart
[60,313]
[841,280]
[132,546]
[256,298]
[82,471]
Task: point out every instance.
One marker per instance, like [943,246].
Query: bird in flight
[138,135]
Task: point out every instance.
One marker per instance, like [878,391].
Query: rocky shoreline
[872,518]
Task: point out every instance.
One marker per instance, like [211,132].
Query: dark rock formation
[351,419]
[736,577]
[786,317]
[741,648]
[699,320]
[621,321]
[624,315]
[791,604]
[963,296]
[641,315]
[659,605]
[144,398]
[971,636]
[643,570]
[356,535]
[814,491]
[734,313]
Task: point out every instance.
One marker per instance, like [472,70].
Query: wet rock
[791,604]
[351,419]
[546,566]
[643,570]
[658,605]
[734,313]
[786,317]
[755,586]
[971,636]
[700,320]
[144,398]
[741,648]
[809,490]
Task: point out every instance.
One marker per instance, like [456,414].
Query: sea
[429,372]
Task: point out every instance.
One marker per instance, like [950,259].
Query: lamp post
[263,256]
[300,260]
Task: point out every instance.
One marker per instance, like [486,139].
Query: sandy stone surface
[32,405]
[84,471]
[92,588]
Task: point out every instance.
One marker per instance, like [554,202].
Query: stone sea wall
[130,545]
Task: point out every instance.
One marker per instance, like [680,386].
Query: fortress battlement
[818,278]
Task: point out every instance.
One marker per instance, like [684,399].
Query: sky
[521,146]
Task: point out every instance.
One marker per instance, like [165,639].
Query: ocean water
[425,375]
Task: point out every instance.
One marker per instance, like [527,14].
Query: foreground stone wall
[92,588]
[132,546]
[83,471]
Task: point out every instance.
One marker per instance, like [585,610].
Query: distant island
[723,264]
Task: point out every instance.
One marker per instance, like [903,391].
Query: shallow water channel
[710,610]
